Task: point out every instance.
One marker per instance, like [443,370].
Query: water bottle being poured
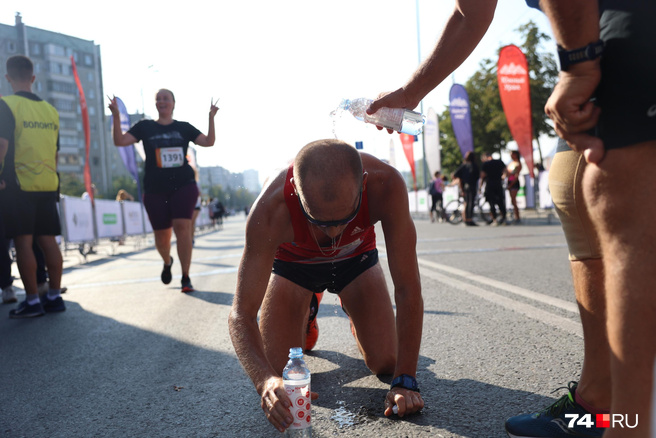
[397,119]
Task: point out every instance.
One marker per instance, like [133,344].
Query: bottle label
[298,392]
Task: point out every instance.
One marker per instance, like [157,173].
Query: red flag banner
[87,131]
[408,140]
[512,75]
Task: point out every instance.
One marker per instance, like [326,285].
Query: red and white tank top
[357,238]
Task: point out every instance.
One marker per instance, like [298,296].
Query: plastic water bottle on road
[398,119]
[296,378]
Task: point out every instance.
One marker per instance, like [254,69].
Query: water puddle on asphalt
[345,418]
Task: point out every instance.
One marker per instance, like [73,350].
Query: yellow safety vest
[35,143]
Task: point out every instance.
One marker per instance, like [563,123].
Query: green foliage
[489,126]
[126,183]
[233,198]
[71,184]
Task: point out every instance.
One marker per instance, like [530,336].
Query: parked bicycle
[455,210]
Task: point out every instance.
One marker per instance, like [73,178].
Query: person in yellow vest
[29,141]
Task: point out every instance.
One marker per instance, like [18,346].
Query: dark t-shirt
[493,170]
[166,146]
[468,173]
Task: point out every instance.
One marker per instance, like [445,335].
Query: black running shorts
[627,92]
[333,277]
[33,213]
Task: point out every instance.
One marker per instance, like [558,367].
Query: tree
[489,126]
[124,182]
[70,184]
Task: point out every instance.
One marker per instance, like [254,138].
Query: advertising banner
[87,131]
[77,220]
[514,89]
[432,143]
[109,220]
[461,118]
[408,141]
[133,218]
[127,153]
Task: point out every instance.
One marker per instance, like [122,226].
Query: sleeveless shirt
[357,238]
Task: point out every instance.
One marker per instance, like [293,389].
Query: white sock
[32,299]
[53,294]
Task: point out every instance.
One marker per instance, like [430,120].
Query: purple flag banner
[127,152]
[461,118]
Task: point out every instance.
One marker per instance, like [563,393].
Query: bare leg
[369,306]
[54,260]
[26,263]
[163,243]
[182,228]
[193,223]
[513,201]
[283,319]
[619,192]
[594,385]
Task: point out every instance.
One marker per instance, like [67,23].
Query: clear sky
[278,67]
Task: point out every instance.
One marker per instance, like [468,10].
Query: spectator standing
[435,189]
[468,174]
[513,184]
[612,90]
[492,173]
[30,184]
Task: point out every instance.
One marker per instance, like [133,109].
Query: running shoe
[25,310]
[9,295]
[186,284]
[551,422]
[312,333]
[166,273]
[53,306]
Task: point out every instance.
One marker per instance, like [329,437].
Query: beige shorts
[565,176]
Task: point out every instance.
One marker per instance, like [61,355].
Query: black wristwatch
[582,54]
[405,381]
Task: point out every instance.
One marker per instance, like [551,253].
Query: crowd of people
[312,227]
[490,179]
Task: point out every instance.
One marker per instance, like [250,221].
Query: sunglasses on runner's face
[328,224]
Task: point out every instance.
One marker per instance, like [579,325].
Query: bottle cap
[295,352]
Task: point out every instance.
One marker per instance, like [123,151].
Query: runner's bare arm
[265,230]
[389,200]
[464,29]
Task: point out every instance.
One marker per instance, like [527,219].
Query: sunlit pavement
[134,357]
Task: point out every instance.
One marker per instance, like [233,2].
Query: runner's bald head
[326,168]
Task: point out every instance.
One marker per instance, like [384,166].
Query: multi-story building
[252,180]
[218,176]
[51,53]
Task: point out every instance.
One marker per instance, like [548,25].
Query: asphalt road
[132,357]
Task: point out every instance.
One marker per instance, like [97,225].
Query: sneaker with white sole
[25,310]
[554,421]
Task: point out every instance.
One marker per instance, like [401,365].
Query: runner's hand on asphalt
[275,403]
[407,401]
